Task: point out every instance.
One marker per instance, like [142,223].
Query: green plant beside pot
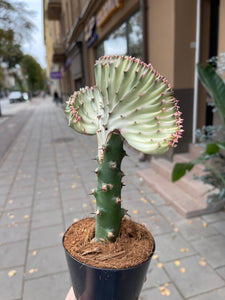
[212,157]
[130,101]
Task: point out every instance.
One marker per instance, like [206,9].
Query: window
[125,40]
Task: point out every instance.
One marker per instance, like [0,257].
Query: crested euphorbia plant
[130,101]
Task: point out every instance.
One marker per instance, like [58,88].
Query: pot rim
[106,269]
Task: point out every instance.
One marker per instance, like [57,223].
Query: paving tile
[77,194]
[26,182]
[156,294]
[13,254]
[134,200]
[52,186]
[11,287]
[3,200]
[188,282]
[15,216]
[220,226]
[74,205]
[137,209]
[44,183]
[221,271]
[47,261]
[155,276]
[47,193]
[71,186]
[75,216]
[48,171]
[195,230]
[212,248]
[83,210]
[50,287]
[46,204]
[170,214]
[156,199]
[4,189]
[21,192]
[67,175]
[47,164]
[46,218]
[18,202]
[155,223]
[172,246]
[220,215]
[45,237]
[217,295]
[133,183]
[13,233]
[5,181]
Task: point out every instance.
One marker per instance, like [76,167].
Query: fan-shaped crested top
[131,98]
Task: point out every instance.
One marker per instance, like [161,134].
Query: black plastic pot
[91,283]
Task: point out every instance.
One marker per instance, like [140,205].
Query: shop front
[114,29]
[76,66]
[126,39]
[73,77]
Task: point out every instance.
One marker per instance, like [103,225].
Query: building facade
[173,35]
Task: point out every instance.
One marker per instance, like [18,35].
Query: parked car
[15,96]
[25,96]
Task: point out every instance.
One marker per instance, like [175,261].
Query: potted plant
[130,101]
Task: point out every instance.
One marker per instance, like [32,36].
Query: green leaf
[221,145]
[180,169]
[215,86]
[212,148]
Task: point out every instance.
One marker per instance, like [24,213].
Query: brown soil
[133,246]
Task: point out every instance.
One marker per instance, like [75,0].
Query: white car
[15,96]
[25,96]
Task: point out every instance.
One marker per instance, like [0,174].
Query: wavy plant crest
[130,101]
[129,97]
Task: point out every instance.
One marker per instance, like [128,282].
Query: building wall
[52,34]
[171,40]
[221,46]
[204,56]
[47,39]
[185,35]
[161,36]
[171,37]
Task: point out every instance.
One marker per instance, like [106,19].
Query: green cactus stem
[109,213]
[131,101]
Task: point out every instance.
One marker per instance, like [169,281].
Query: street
[47,173]
[8,108]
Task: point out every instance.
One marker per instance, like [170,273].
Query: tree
[14,15]
[16,26]
[10,52]
[33,73]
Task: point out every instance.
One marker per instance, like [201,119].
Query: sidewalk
[45,179]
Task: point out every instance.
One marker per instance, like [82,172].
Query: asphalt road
[13,118]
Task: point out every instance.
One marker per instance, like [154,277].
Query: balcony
[54,10]
[59,56]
